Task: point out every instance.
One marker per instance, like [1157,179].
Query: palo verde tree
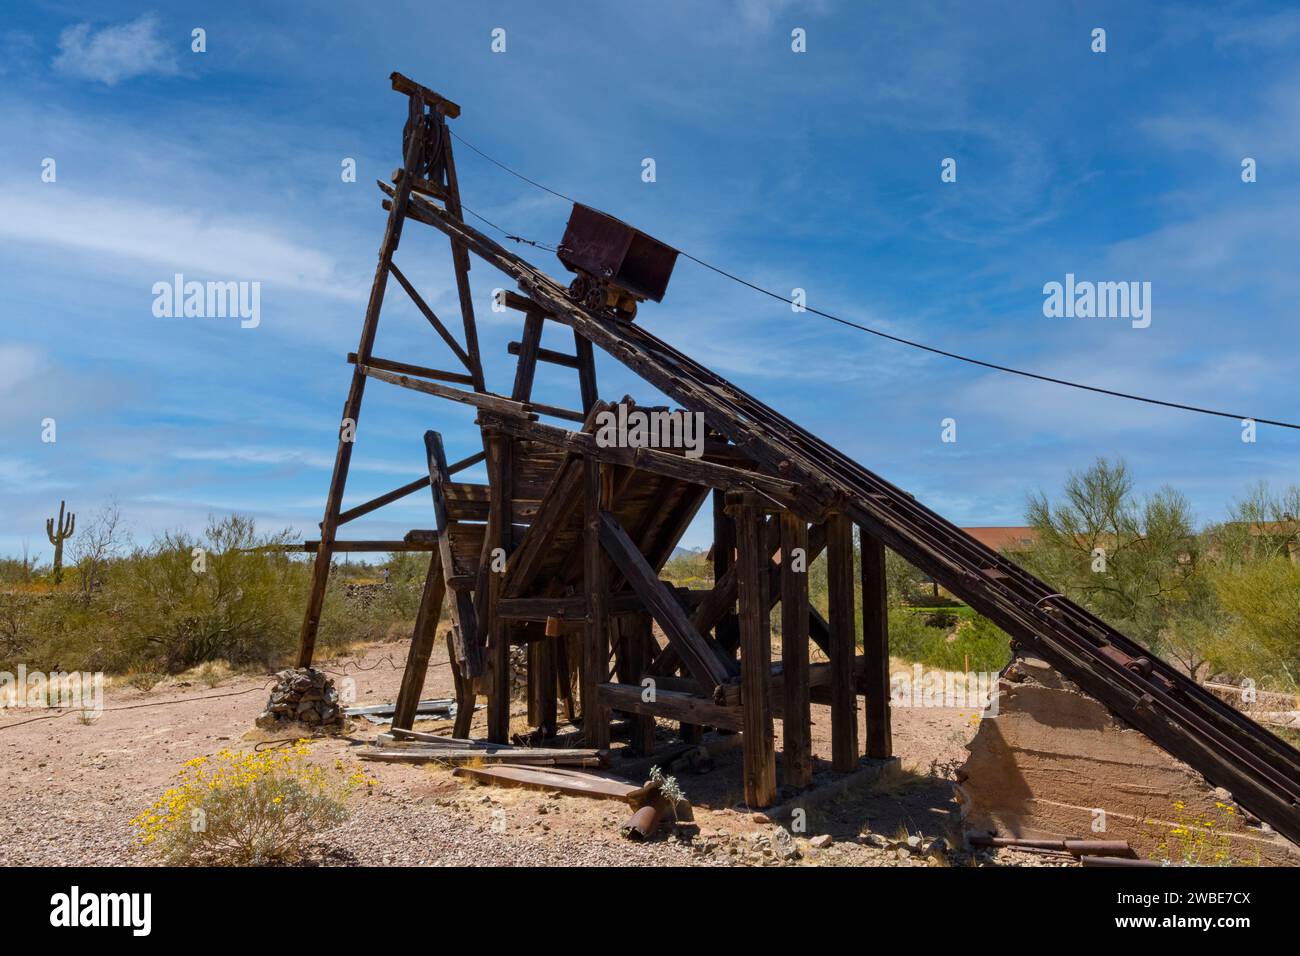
[1137,563]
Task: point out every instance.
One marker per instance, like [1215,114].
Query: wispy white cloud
[223,246]
[275,455]
[114,53]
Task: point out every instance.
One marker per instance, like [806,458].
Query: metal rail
[1230,750]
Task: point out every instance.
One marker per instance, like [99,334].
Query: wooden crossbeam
[428,313]
[659,600]
[550,356]
[419,371]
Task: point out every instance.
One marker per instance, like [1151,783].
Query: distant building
[1001,538]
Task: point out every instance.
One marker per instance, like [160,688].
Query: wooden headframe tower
[561,551]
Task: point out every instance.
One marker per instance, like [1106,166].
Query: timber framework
[561,551]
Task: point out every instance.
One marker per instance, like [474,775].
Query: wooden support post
[498,535]
[634,636]
[796,715]
[422,638]
[727,630]
[466,699]
[595,657]
[526,370]
[875,646]
[541,684]
[755,654]
[844,710]
[352,405]
[586,370]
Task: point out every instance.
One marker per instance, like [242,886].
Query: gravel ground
[70,789]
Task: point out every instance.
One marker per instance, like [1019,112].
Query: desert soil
[70,789]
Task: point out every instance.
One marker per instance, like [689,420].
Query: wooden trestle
[561,551]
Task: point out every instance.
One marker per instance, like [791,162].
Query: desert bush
[975,642]
[247,809]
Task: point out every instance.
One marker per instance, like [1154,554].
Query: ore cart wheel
[578,288]
[596,298]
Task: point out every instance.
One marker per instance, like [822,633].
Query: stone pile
[303,695]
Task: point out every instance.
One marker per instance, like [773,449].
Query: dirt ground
[70,788]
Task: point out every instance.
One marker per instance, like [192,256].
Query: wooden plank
[482,755]
[839,577]
[595,715]
[755,654]
[460,263]
[796,714]
[662,605]
[672,705]
[422,638]
[875,646]
[584,784]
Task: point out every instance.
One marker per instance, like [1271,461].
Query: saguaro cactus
[57,534]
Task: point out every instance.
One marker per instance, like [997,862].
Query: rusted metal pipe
[643,824]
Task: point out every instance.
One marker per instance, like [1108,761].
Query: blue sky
[818,170]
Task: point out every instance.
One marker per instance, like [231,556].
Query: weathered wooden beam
[484,400]
[464,623]
[526,370]
[404,84]
[839,578]
[586,371]
[431,317]
[549,356]
[796,714]
[420,371]
[875,646]
[755,651]
[352,405]
[662,605]
[498,536]
[361,547]
[409,488]
[671,705]
[595,712]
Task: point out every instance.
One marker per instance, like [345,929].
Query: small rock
[821,842]
[876,840]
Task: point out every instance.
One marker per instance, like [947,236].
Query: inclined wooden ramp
[1261,771]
